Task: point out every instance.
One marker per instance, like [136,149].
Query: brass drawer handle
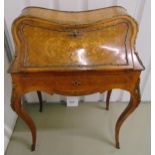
[76,83]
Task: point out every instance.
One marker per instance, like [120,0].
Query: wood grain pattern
[57,54]
[80,48]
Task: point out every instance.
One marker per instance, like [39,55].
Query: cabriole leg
[17,107]
[134,102]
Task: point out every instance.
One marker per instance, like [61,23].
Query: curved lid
[74,17]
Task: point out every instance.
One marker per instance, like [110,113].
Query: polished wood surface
[75,53]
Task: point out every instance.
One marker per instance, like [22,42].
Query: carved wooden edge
[133,104]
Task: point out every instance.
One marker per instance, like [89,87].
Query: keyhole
[76,83]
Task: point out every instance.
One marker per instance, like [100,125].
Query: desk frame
[28,82]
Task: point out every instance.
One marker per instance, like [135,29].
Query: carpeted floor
[84,130]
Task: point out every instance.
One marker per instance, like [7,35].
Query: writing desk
[75,53]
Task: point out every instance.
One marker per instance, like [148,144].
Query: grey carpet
[84,130]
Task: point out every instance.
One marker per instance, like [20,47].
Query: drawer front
[83,85]
[76,83]
[73,85]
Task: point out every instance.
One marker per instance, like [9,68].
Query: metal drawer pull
[76,83]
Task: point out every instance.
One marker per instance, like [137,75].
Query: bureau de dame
[75,53]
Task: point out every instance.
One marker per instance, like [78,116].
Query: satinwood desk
[75,53]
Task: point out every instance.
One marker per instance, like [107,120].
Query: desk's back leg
[134,102]
[40,101]
[108,99]
[17,107]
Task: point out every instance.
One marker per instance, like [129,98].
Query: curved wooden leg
[17,107]
[134,102]
[108,99]
[40,101]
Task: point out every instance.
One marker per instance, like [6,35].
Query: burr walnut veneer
[75,53]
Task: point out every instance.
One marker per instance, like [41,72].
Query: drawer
[74,85]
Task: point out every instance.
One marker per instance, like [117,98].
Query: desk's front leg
[17,107]
[134,102]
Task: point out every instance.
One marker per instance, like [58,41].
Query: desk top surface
[102,39]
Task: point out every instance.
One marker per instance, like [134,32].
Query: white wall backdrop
[139,9]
